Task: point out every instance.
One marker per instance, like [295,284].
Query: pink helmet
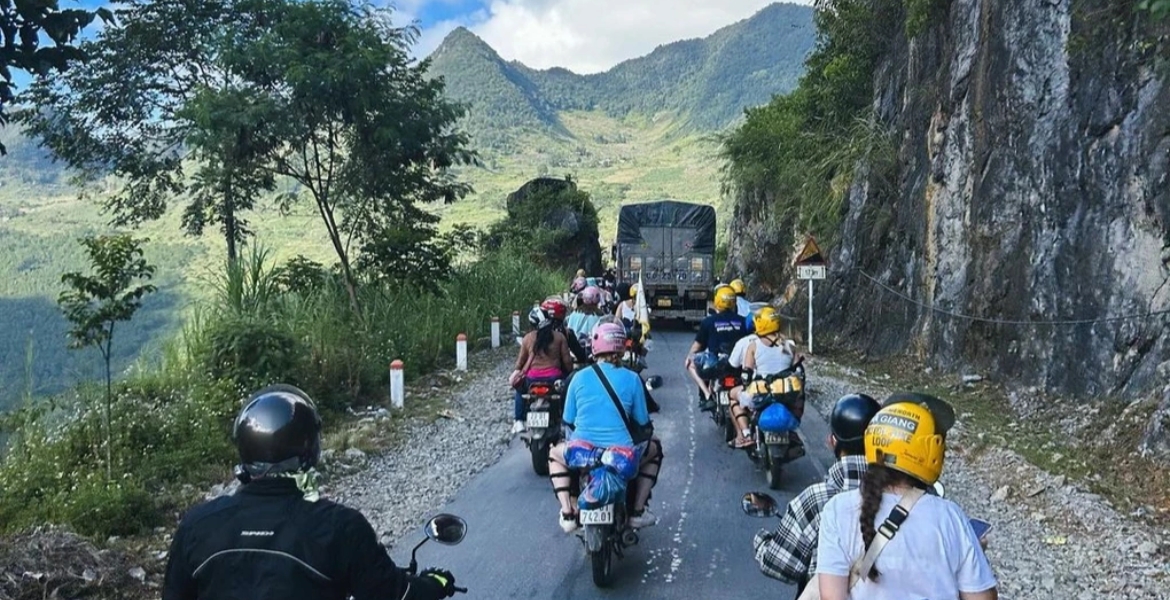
[578,285]
[608,338]
[590,295]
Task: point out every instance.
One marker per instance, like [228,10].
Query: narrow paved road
[700,548]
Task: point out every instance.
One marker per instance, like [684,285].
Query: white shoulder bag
[864,563]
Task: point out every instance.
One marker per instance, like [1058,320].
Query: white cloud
[588,36]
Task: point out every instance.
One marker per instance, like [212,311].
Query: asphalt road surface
[700,548]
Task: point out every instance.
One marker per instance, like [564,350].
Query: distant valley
[643,130]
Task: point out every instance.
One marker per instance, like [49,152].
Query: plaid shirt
[790,553]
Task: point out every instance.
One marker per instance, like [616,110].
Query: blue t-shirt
[589,409]
[719,332]
[582,324]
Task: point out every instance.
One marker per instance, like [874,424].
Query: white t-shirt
[773,359]
[737,353]
[935,555]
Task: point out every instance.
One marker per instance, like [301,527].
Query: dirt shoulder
[1077,513]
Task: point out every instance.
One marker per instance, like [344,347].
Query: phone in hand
[981,528]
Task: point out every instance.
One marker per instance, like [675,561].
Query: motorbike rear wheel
[539,450]
[774,469]
[602,562]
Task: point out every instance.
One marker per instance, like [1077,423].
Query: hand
[442,577]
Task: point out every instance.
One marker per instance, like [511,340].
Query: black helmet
[623,291]
[851,415]
[278,431]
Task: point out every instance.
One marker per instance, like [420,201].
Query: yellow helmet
[634,290]
[738,286]
[724,298]
[903,437]
[767,321]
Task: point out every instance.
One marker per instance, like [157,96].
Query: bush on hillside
[552,223]
[173,417]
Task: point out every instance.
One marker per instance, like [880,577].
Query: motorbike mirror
[446,529]
[654,382]
[759,504]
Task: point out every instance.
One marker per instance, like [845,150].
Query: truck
[671,246]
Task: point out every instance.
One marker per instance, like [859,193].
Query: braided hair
[877,478]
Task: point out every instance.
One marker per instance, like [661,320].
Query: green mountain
[703,83]
[640,131]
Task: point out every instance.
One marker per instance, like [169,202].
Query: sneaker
[519,427]
[643,519]
[568,523]
[706,404]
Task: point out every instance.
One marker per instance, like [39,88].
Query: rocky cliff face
[1034,150]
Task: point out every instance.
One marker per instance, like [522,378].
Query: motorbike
[446,529]
[720,379]
[775,448]
[605,531]
[545,402]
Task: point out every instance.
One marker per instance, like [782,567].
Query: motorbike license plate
[664,302]
[775,438]
[537,419]
[600,516]
[724,398]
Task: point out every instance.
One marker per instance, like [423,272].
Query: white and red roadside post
[397,385]
[461,352]
[516,323]
[495,332]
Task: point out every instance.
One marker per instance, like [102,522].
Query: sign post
[810,265]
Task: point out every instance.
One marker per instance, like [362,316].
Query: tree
[22,24]
[95,303]
[155,101]
[363,130]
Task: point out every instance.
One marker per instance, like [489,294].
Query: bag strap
[885,533]
[613,396]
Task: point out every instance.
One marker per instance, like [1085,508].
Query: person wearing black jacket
[274,538]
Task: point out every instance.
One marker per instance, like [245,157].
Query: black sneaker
[706,404]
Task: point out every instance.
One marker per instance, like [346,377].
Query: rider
[275,538]
[742,306]
[587,314]
[789,554]
[935,553]
[556,310]
[544,356]
[718,333]
[769,354]
[592,416]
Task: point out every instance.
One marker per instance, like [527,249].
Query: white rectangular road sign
[810,272]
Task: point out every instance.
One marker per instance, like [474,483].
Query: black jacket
[267,541]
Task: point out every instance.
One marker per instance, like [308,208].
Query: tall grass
[174,410]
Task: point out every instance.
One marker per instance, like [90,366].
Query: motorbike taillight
[730,382]
[539,390]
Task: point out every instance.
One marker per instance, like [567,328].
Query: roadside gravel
[1051,538]
[398,490]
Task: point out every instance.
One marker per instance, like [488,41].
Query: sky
[584,36]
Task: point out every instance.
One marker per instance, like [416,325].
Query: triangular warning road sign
[810,254]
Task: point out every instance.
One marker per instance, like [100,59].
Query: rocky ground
[1051,538]
[399,488]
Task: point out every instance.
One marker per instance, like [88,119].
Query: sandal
[741,443]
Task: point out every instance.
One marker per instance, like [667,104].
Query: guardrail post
[397,385]
[461,352]
[516,323]
[495,332]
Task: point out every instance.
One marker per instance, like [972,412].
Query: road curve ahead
[700,548]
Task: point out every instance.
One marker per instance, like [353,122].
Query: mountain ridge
[706,82]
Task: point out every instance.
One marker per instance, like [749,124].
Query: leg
[519,412]
[742,417]
[694,373]
[645,481]
[558,474]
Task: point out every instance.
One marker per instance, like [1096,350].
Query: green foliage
[921,14]
[1159,9]
[174,415]
[548,221]
[24,26]
[94,304]
[794,159]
